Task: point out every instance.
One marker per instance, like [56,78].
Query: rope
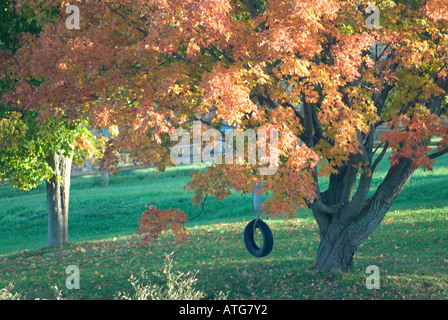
[255,223]
[202,210]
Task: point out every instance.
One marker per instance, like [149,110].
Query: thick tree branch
[297,114]
[316,124]
[354,207]
[213,54]
[252,11]
[334,209]
[406,9]
[380,157]
[125,18]
[223,53]
[396,179]
[365,153]
[438,153]
[308,125]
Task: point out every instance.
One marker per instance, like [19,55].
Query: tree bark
[58,189]
[342,233]
[105,178]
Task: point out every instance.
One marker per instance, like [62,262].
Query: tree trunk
[342,233]
[105,178]
[58,189]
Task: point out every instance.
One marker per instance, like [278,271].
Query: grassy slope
[410,247]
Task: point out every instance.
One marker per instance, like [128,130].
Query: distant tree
[34,148]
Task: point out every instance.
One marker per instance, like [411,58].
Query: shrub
[6,293]
[177,285]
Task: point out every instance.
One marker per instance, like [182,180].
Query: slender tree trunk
[58,189]
[105,178]
[342,233]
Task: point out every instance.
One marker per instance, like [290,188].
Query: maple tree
[151,67]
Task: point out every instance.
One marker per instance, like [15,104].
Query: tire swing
[249,241]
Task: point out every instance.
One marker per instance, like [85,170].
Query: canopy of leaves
[26,139]
[150,67]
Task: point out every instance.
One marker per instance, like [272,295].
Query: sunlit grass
[410,246]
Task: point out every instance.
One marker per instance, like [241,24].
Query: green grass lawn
[410,247]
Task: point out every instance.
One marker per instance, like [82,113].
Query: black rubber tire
[268,239]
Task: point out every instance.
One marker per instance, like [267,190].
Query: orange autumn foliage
[151,67]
